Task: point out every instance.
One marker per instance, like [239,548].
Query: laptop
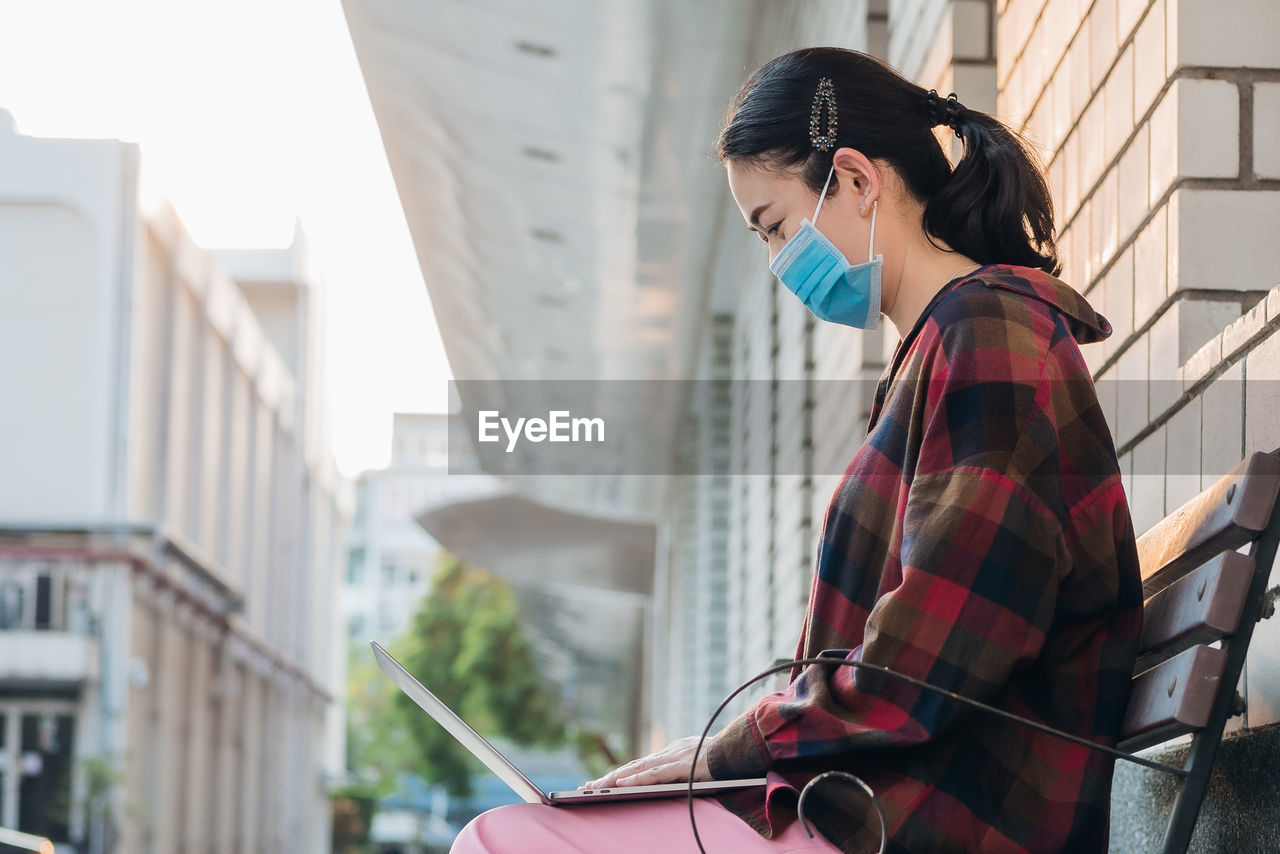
[511,775]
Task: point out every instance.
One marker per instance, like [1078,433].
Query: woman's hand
[668,765]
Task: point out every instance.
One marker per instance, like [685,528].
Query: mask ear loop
[871,239]
[823,197]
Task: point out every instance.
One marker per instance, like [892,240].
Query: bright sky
[251,113]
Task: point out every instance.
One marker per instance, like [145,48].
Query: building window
[11,605]
[35,599]
[44,602]
[45,773]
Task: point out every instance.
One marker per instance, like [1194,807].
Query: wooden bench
[1205,569]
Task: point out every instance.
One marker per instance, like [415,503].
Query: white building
[571,226]
[171,524]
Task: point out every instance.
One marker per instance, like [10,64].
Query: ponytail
[995,206]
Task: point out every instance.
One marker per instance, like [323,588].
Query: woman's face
[774,203]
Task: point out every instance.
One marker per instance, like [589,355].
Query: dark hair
[995,206]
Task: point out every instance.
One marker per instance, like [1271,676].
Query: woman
[979,540]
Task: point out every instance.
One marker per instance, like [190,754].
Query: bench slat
[1172,698]
[1202,606]
[1225,516]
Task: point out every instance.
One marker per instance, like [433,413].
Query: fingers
[671,772]
[631,768]
[635,773]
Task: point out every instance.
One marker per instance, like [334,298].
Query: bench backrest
[1202,588]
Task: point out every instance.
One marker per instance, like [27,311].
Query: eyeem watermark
[558,426]
[721,426]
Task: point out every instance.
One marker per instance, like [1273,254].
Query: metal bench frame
[1196,533]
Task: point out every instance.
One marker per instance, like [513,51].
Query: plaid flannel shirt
[980,540]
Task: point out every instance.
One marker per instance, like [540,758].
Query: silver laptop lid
[458,728]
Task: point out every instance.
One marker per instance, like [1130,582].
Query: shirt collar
[1086,324]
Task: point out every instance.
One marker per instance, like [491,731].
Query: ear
[854,169]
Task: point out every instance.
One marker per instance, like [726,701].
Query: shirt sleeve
[982,556]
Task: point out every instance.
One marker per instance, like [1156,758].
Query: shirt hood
[1086,324]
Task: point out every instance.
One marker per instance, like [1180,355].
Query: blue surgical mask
[817,272]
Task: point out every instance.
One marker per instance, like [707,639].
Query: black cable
[846,662]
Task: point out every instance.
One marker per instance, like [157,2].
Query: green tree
[467,645]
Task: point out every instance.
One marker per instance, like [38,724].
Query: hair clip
[826,95]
